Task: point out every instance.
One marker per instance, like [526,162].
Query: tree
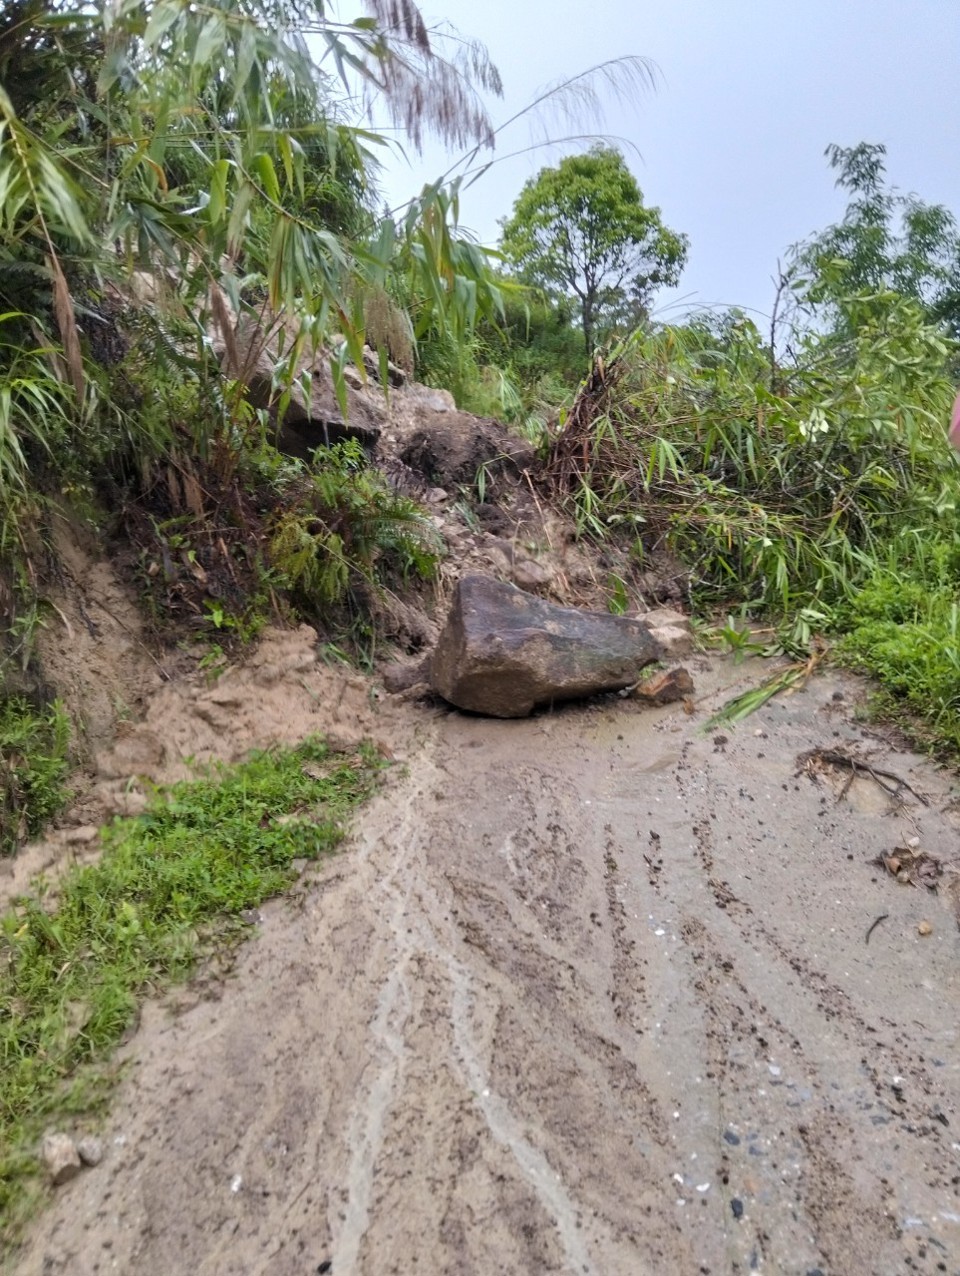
[886,243]
[582,230]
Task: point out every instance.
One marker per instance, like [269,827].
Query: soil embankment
[588,992]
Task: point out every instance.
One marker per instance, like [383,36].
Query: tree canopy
[582,230]
[886,243]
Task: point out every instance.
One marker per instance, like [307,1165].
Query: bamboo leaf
[66,322]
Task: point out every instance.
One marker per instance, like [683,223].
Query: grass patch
[33,767]
[904,629]
[168,886]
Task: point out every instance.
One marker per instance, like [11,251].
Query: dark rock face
[449,448]
[503,652]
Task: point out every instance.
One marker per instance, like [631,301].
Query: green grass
[169,886]
[33,766]
[903,628]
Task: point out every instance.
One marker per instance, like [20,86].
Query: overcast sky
[731,142]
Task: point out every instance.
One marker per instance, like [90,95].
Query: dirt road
[588,993]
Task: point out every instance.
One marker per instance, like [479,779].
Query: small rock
[925,928]
[672,631]
[677,643]
[419,691]
[61,1158]
[531,575]
[126,803]
[665,688]
[736,1205]
[437,495]
[90,1150]
[401,675]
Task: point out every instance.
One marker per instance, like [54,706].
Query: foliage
[778,499]
[582,230]
[347,527]
[903,627]
[535,343]
[34,743]
[886,242]
[177,169]
[169,883]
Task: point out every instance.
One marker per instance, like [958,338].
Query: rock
[677,643]
[925,928]
[429,398]
[666,687]
[419,691]
[126,803]
[530,575]
[90,1150]
[502,652]
[672,631]
[396,376]
[402,675]
[60,1156]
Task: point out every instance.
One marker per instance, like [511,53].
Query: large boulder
[502,652]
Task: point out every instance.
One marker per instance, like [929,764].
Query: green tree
[886,243]
[582,230]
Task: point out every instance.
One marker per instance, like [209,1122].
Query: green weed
[903,627]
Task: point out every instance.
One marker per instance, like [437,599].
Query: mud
[586,993]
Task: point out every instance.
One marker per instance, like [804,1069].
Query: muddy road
[588,993]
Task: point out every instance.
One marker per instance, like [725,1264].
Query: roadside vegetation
[34,748]
[171,886]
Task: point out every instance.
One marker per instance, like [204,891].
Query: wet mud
[586,993]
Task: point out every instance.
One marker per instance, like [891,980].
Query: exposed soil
[586,993]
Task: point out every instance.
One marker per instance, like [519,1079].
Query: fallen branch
[837,758]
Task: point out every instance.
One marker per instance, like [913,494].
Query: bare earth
[587,993]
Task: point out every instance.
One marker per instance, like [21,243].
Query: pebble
[90,1150]
[736,1205]
[61,1157]
[925,928]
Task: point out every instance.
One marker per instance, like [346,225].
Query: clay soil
[585,993]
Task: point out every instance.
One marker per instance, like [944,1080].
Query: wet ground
[586,993]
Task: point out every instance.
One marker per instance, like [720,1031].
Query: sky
[730,144]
